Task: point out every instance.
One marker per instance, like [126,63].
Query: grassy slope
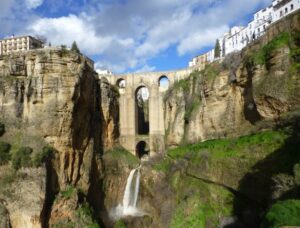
[225,162]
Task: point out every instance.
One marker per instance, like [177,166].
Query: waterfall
[130,197]
[137,187]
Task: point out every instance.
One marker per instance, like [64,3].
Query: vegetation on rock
[75,48]
[4,152]
[22,158]
[263,56]
[85,216]
[43,156]
[212,180]
[120,224]
[123,155]
[283,213]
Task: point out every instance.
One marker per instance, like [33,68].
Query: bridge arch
[142,95]
[163,81]
[121,83]
[141,149]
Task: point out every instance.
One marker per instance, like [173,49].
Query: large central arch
[142,110]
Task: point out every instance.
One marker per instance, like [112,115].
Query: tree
[217,49]
[75,47]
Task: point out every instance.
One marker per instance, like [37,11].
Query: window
[281,13]
[286,10]
[292,6]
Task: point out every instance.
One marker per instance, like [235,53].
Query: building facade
[239,37]
[18,44]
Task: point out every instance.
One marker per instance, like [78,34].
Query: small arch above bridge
[163,81]
[121,83]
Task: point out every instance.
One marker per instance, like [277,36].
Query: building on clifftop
[239,37]
[19,44]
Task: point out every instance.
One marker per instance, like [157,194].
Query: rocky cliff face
[233,97]
[110,114]
[53,98]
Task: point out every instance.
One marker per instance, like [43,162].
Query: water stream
[130,198]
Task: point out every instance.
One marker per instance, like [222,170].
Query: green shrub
[4,153]
[283,213]
[64,50]
[163,166]
[191,107]
[2,129]
[68,192]
[120,224]
[262,56]
[123,154]
[22,158]
[86,216]
[43,156]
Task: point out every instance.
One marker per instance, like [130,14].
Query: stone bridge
[151,141]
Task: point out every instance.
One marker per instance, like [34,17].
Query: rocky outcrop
[234,96]
[4,216]
[53,97]
[24,194]
[110,113]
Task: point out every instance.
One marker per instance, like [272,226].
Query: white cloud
[32,4]
[65,30]
[146,68]
[201,39]
[123,36]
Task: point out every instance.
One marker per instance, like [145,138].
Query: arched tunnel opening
[142,110]
[142,149]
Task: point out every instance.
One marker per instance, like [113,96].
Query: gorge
[226,155]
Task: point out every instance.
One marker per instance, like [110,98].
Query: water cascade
[130,198]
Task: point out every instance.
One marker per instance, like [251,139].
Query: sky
[129,35]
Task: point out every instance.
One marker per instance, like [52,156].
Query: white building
[233,40]
[18,44]
[239,37]
[281,8]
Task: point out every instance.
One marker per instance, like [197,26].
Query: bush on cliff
[4,153]
[86,216]
[21,158]
[43,156]
[264,54]
[284,213]
[123,155]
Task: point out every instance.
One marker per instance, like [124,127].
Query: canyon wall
[235,96]
[54,98]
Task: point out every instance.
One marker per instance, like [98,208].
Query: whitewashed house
[239,37]
[282,8]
